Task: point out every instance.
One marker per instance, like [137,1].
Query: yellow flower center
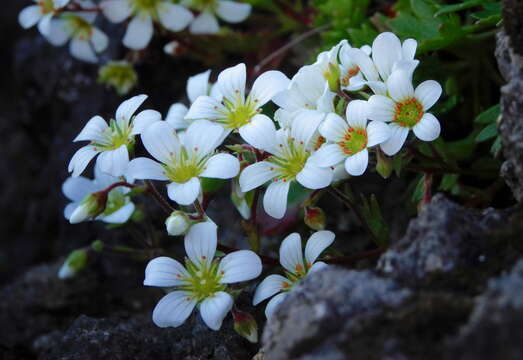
[354,141]
[115,136]
[239,113]
[408,113]
[203,280]
[291,162]
[46,6]
[79,27]
[184,167]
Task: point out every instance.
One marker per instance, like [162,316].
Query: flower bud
[384,164]
[245,325]
[178,223]
[241,200]
[118,74]
[333,77]
[75,262]
[91,206]
[314,218]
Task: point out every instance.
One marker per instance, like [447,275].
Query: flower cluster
[62,20]
[333,117]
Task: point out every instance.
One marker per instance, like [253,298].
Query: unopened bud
[245,325]
[91,206]
[174,48]
[178,223]
[314,218]
[241,200]
[118,74]
[333,77]
[75,262]
[97,245]
[384,164]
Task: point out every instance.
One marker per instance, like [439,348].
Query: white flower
[406,109]
[237,111]
[183,165]
[140,29]
[351,77]
[206,22]
[112,141]
[202,282]
[197,85]
[297,268]
[388,54]
[86,40]
[289,162]
[40,14]
[118,208]
[350,138]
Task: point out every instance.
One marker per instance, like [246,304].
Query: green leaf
[489,116]
[423,8]
[417,194]
[496,146]
[448,181]
[489,10]
[371,211]
[458,7]
[487,133]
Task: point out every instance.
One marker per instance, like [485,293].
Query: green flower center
[408,113]
[354,141]
[238,114]
[79,27]
[292,161]
[183,168]
[203,280]
[46,6]
[145,6]
[116,136]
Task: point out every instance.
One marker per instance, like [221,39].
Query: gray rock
[117,338]
[494,329]
[318,318]
[445,236]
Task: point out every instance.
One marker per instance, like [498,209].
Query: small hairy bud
[118,74]
[177,223]
[245,325]
[91,206]
[314,218]
[384,164]
[333,77]
[75,262]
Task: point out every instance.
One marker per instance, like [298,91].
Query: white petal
[326,101]
[173,309]
[81,159]
[221,166]
[144,119]
[104,180]
[143,168]
[198,85]
[116,10]
[377,133]
[126,109]
[305,125]
[93,130]
[99,40]
[58,33]
[174,17]
[381,108]
[397,138]
[284,118]
[161,141]
[238,266]
[357,113]
[114,162]
[260,133]
[164,272]
[214,309]
[44,25]
[318,265]
[202,137]
[256,175]
[82,50]
[200,243]
[428,128]
[70,209]
[409,49]
[428,92]
[275,199]
[400,86]
[186,193]
[333,128]
[357,163]
[76,188]
[233,12]
[271,285]
[139,32]
[205,23]
[273,304]
[365,64]
[231,83]
[314,177]
[318,242]
[175,116]
[328,155]
[206,107]
[386,50]
[121,215]
[378,87]
[29,16]
[291,254]
[267,85]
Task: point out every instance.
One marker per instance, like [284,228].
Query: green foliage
[371,212]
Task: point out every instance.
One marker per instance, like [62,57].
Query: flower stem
[164,204]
